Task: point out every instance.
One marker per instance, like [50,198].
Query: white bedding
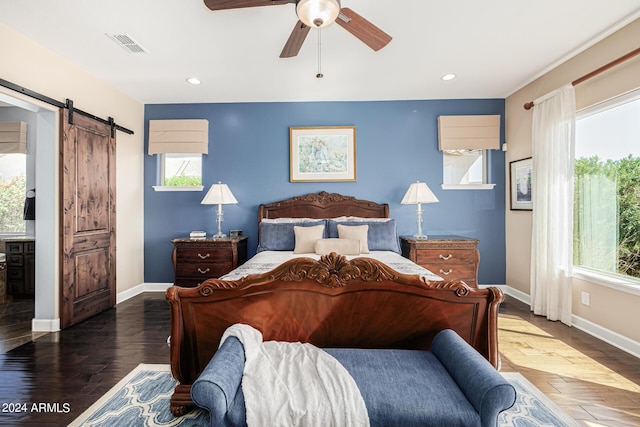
[268,260]
[275,396]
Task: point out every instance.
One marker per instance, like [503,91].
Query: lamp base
[219,236]
[420,236]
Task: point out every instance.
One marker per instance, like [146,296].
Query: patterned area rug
[142,399]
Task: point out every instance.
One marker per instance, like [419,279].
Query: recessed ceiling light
[194,80]
[449,76]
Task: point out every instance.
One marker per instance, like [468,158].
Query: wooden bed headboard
[322,205]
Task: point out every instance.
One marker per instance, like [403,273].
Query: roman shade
[13,137]
[469,132]
[179,136]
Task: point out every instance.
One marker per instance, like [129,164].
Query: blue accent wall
[396,144]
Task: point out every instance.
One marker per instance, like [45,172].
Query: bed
[329,300]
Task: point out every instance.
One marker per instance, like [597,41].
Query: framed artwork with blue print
[321,154]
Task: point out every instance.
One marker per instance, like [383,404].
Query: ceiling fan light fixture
[318,13]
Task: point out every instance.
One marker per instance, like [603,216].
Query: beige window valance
[13,137]
[179,136]
[469,132]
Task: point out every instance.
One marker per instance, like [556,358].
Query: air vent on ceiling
[127,42]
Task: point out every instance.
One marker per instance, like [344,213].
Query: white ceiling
[494,46]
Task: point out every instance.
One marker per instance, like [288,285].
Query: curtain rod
[68,105]
[623,58]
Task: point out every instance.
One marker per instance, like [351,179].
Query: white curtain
[552,233]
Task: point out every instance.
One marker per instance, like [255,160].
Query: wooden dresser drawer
[457,271]
[203,255]
[200,270]
[446,256]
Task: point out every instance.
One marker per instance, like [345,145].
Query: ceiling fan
[316,14]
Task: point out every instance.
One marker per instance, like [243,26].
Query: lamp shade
[318,13]
[419,192]
[219,194]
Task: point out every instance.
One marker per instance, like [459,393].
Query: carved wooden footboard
[331,302]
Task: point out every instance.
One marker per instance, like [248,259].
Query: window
[180,145]
[607,189]
[464,142]
[181,170]
[13,168]
[464,167]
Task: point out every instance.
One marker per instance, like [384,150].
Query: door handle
[445,257]
[446,272]
[203,271]
[203,256]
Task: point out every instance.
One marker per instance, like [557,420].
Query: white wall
[27,64]
[615,311]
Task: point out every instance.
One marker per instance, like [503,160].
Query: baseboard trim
[519,295]
[45,325]
[603,334]
[53,325]
[610,337]
[138,289]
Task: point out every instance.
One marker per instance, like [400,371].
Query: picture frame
[520,177]
[322,154]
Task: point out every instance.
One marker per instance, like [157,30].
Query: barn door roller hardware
[68,105]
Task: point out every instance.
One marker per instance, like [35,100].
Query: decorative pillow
[382,235]
[306,238]
[357,232]
[280,236]
[340,246]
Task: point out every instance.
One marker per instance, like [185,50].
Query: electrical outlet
[586,298]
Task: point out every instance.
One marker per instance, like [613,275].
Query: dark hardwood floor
[594,382]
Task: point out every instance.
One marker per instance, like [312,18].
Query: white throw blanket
[295,384]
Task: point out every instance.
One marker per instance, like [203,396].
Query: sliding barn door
[88,214]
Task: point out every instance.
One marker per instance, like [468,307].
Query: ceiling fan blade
[368,33]
[297,37]
[237,4]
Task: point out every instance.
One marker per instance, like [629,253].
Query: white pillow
[339,246]
[306,238]
[357,232]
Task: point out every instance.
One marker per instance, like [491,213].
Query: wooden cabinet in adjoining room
[21,267]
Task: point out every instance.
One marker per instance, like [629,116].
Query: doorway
[45,229]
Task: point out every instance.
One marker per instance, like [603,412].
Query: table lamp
[419,193]
[219,194]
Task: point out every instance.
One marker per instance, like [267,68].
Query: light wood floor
[595,383]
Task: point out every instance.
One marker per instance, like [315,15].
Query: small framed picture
[322,154]
[521,172]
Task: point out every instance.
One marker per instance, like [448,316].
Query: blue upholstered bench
[450,385]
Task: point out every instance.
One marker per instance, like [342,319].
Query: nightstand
[450,257]
[194,261]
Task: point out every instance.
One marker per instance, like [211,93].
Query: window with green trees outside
[607,188]
[12,193]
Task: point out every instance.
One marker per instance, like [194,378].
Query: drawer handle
[445,257]
[446,273]
[203,256]
[203,271]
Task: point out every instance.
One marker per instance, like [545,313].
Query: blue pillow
[382,235]
[276,236]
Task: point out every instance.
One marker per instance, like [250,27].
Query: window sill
[166,188]
[616,283]
[468,186]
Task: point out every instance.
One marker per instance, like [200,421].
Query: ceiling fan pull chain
[319,75]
